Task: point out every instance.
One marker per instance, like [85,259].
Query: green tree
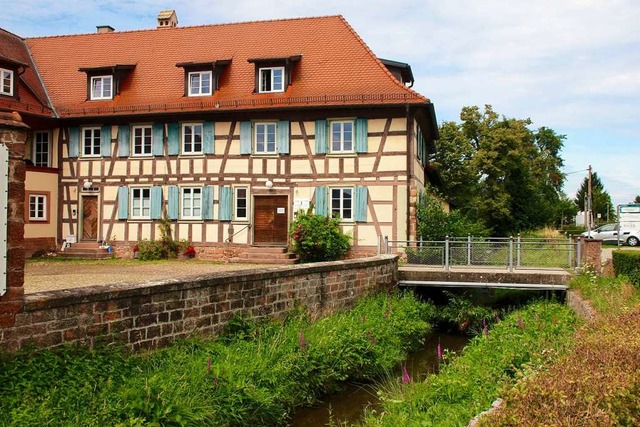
[637,199]
[434,223]
[601,201]
[499,172]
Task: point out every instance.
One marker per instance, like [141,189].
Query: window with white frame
[6,82]
[265,138]
[192,138]
[41,149]
[271,79]
[342,203]
[142,140]
[91,142]
[341,136]
[200,83]
[241,200]
[141,203]
[102,87]
[191,202]
[37,207]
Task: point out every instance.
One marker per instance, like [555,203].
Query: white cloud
[572,65]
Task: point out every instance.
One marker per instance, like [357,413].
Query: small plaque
[281,210]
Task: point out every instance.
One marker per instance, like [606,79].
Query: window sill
[345,154]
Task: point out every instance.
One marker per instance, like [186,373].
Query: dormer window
[202,78]
[102,87]
[6,82]
[200,83]
[274,74]
[271,79]
[104,82]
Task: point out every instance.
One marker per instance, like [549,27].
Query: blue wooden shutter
[209,137]
[173,139]
[74,142]
[321,201]
[156,202]
[283,136]
[124,135]
[158,139]
[105,141]
[173,202]
[361,196]
[321,136]
[245,137]
[361,132]
[123,202]
[226,205]
[207,202]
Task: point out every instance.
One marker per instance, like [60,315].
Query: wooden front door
[89,218]
[270,220]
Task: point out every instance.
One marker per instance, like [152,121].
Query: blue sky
[571,65]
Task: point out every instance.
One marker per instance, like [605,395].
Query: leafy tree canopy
[499,172]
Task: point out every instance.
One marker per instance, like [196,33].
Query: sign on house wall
[4,201]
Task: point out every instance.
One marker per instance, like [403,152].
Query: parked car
[609,233]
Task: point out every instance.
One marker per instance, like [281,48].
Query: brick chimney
[167,19]
[105,29]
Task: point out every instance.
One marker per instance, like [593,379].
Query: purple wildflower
[439,351]
[208,365]
[520,323]
[485,328]
[215,381]
[405,375]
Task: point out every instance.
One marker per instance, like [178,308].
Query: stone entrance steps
[266,255]
[86,250]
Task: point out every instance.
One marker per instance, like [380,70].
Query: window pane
[277,79]
[265,80]
[194,84]
[106,90]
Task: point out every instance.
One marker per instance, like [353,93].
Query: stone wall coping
[90,294]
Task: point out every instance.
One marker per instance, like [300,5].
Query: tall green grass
[255,375]
[468,384]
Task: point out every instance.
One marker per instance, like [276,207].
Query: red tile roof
[337,68]
[32,97]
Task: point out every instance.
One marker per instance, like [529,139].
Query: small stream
[349,404]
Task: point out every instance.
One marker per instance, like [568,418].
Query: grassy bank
[598,383]
[255,375]
[467,385]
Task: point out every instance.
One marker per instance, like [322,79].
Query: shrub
[435,224]
[627,263]
[165,248]
[317,238]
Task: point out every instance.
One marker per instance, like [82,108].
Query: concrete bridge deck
[478,277]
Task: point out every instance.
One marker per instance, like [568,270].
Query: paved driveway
[49,275]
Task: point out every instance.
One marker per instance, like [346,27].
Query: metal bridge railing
[508,252]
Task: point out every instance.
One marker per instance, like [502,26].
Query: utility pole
[590,200]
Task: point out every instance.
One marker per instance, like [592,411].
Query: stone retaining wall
[153,314]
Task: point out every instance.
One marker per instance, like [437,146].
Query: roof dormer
[104,82]
[9,72]
[273,75]
[167,19]
[400,70]
[202,78]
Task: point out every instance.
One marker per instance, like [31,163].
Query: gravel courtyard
[49,275]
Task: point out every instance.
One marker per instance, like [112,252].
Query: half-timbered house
[228,130]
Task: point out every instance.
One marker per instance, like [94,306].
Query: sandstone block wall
[153,314]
